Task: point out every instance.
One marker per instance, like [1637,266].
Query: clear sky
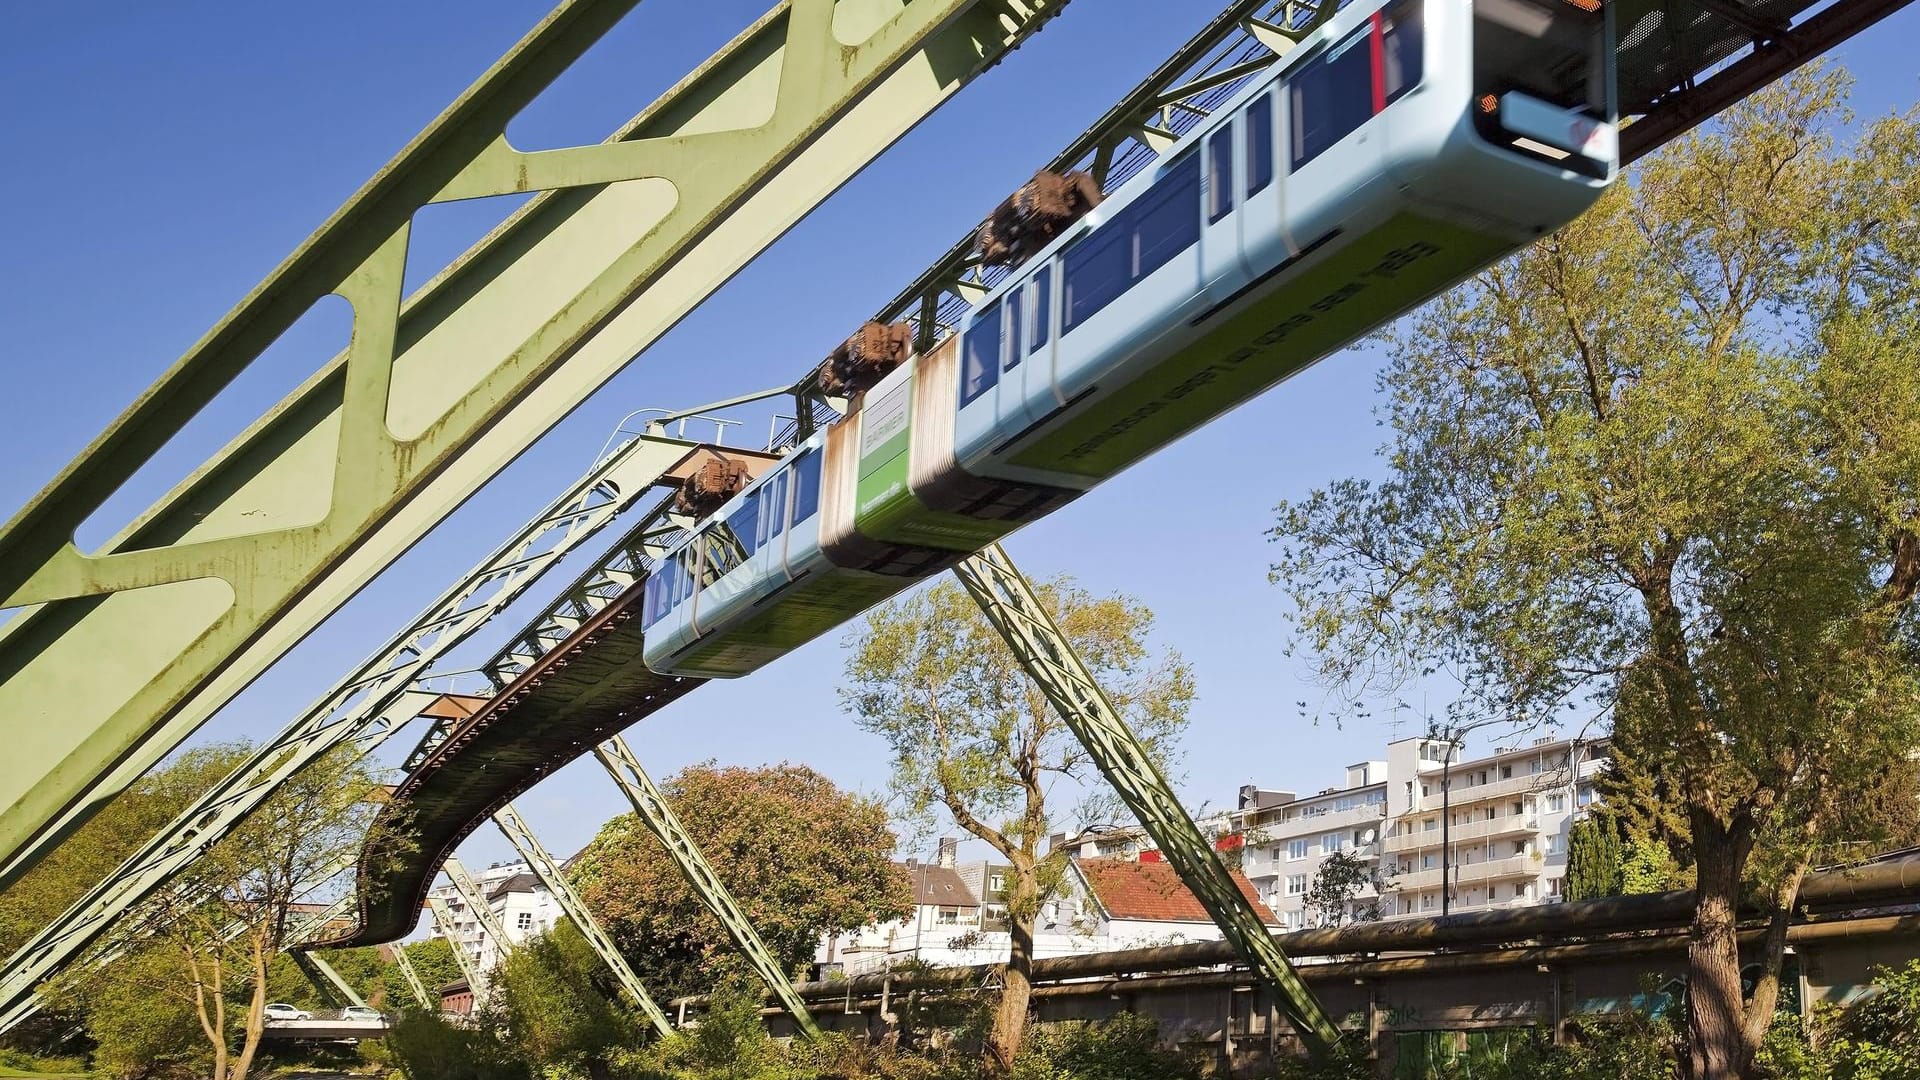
[160,159]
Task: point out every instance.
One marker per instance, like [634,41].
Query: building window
[997,883]
[1535,766]
[1426,789]
[524,921]
[948,916]
[1426,901]
[1519,847]
[1332,842]
[1429,861]
[1296,849]
[1430,825]
[1555,844]
[1556,804]
[1506,772]
[1586,794]
[1554,886]
[1296,884]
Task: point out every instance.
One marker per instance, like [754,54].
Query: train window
[981,368]
[1219,174]
[1400,52]
[1260,142]
[806,485]
[1042,293]
[745,523]
[1168,224]
[1014,325]
[773,515]
[650,601]
[1161,223]
[1332,95]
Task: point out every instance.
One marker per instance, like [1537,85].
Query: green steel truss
[650,804]
[365,707]
[477,902]
[469,969]
[129,649]
[1013,609]
[328,981]
[412,977]
[550,874]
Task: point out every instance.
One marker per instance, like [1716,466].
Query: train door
[1222,269]
[1027,384]
[1263,240]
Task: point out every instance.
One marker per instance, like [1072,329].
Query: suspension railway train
[1400,148]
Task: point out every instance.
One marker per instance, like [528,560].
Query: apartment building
[523,905]
[1495,826]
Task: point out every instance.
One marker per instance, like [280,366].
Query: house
[1136,903]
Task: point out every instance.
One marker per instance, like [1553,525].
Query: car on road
[361,1012]
[280,1010]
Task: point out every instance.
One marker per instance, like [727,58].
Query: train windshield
[1541,78]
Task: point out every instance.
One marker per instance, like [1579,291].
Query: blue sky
[163,158]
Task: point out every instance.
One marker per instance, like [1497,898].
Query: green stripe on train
[886,509]
[1396,265]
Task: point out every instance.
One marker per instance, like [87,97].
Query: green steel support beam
[128,649]
[547,869]
[1016,612]
[483,912]
[327,979]
[412,977]
[650,804]
[469,968]
[365,707]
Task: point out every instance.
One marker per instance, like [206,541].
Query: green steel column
[651,806]
[469,967]
[1013,609]
[412,976]
[130,648]
[329,981]
[548,871]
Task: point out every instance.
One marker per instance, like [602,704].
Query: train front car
[1398,150]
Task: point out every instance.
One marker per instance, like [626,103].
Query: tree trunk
[256,1022]
[1717,1013]
[1010,1018]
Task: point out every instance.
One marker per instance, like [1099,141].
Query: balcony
[1513,866]
[1464,794]
[1503,826]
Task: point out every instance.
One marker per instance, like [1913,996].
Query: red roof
[1153,891]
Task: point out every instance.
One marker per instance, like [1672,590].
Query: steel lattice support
[1016,612]
[129,649]
[365,707]
[550,874]
[469,968]
[412,976]
[477,902]
[650,804]
[329,981]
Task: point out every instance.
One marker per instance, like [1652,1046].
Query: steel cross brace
[650,804]
[412,976]
[1010,604]
[129,649]
[326,979]
[482,909]
[469,967]
[548,871]
[365,707]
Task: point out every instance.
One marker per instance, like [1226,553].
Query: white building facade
[522,904]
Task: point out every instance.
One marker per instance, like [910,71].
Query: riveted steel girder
[443,919]
[365,707]
[130,648]
[1049,659]
[650,804]
[548,870]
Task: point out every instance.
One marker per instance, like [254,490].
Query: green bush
[1123,1047]
[426,1047]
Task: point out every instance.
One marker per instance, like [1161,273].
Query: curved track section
[571,699]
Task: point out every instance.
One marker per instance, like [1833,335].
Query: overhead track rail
[127,650]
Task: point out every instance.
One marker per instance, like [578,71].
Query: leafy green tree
[562,1007]
[433,961]
[1668,461]
[974,738]
[1594,860]
[801,856]
[1647,866]
[1334,895]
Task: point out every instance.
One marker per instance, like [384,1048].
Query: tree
[566,1015]
[972,737]
[1594,858]
[801,856]
[222,922]
[1667,462]
[1334,895]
